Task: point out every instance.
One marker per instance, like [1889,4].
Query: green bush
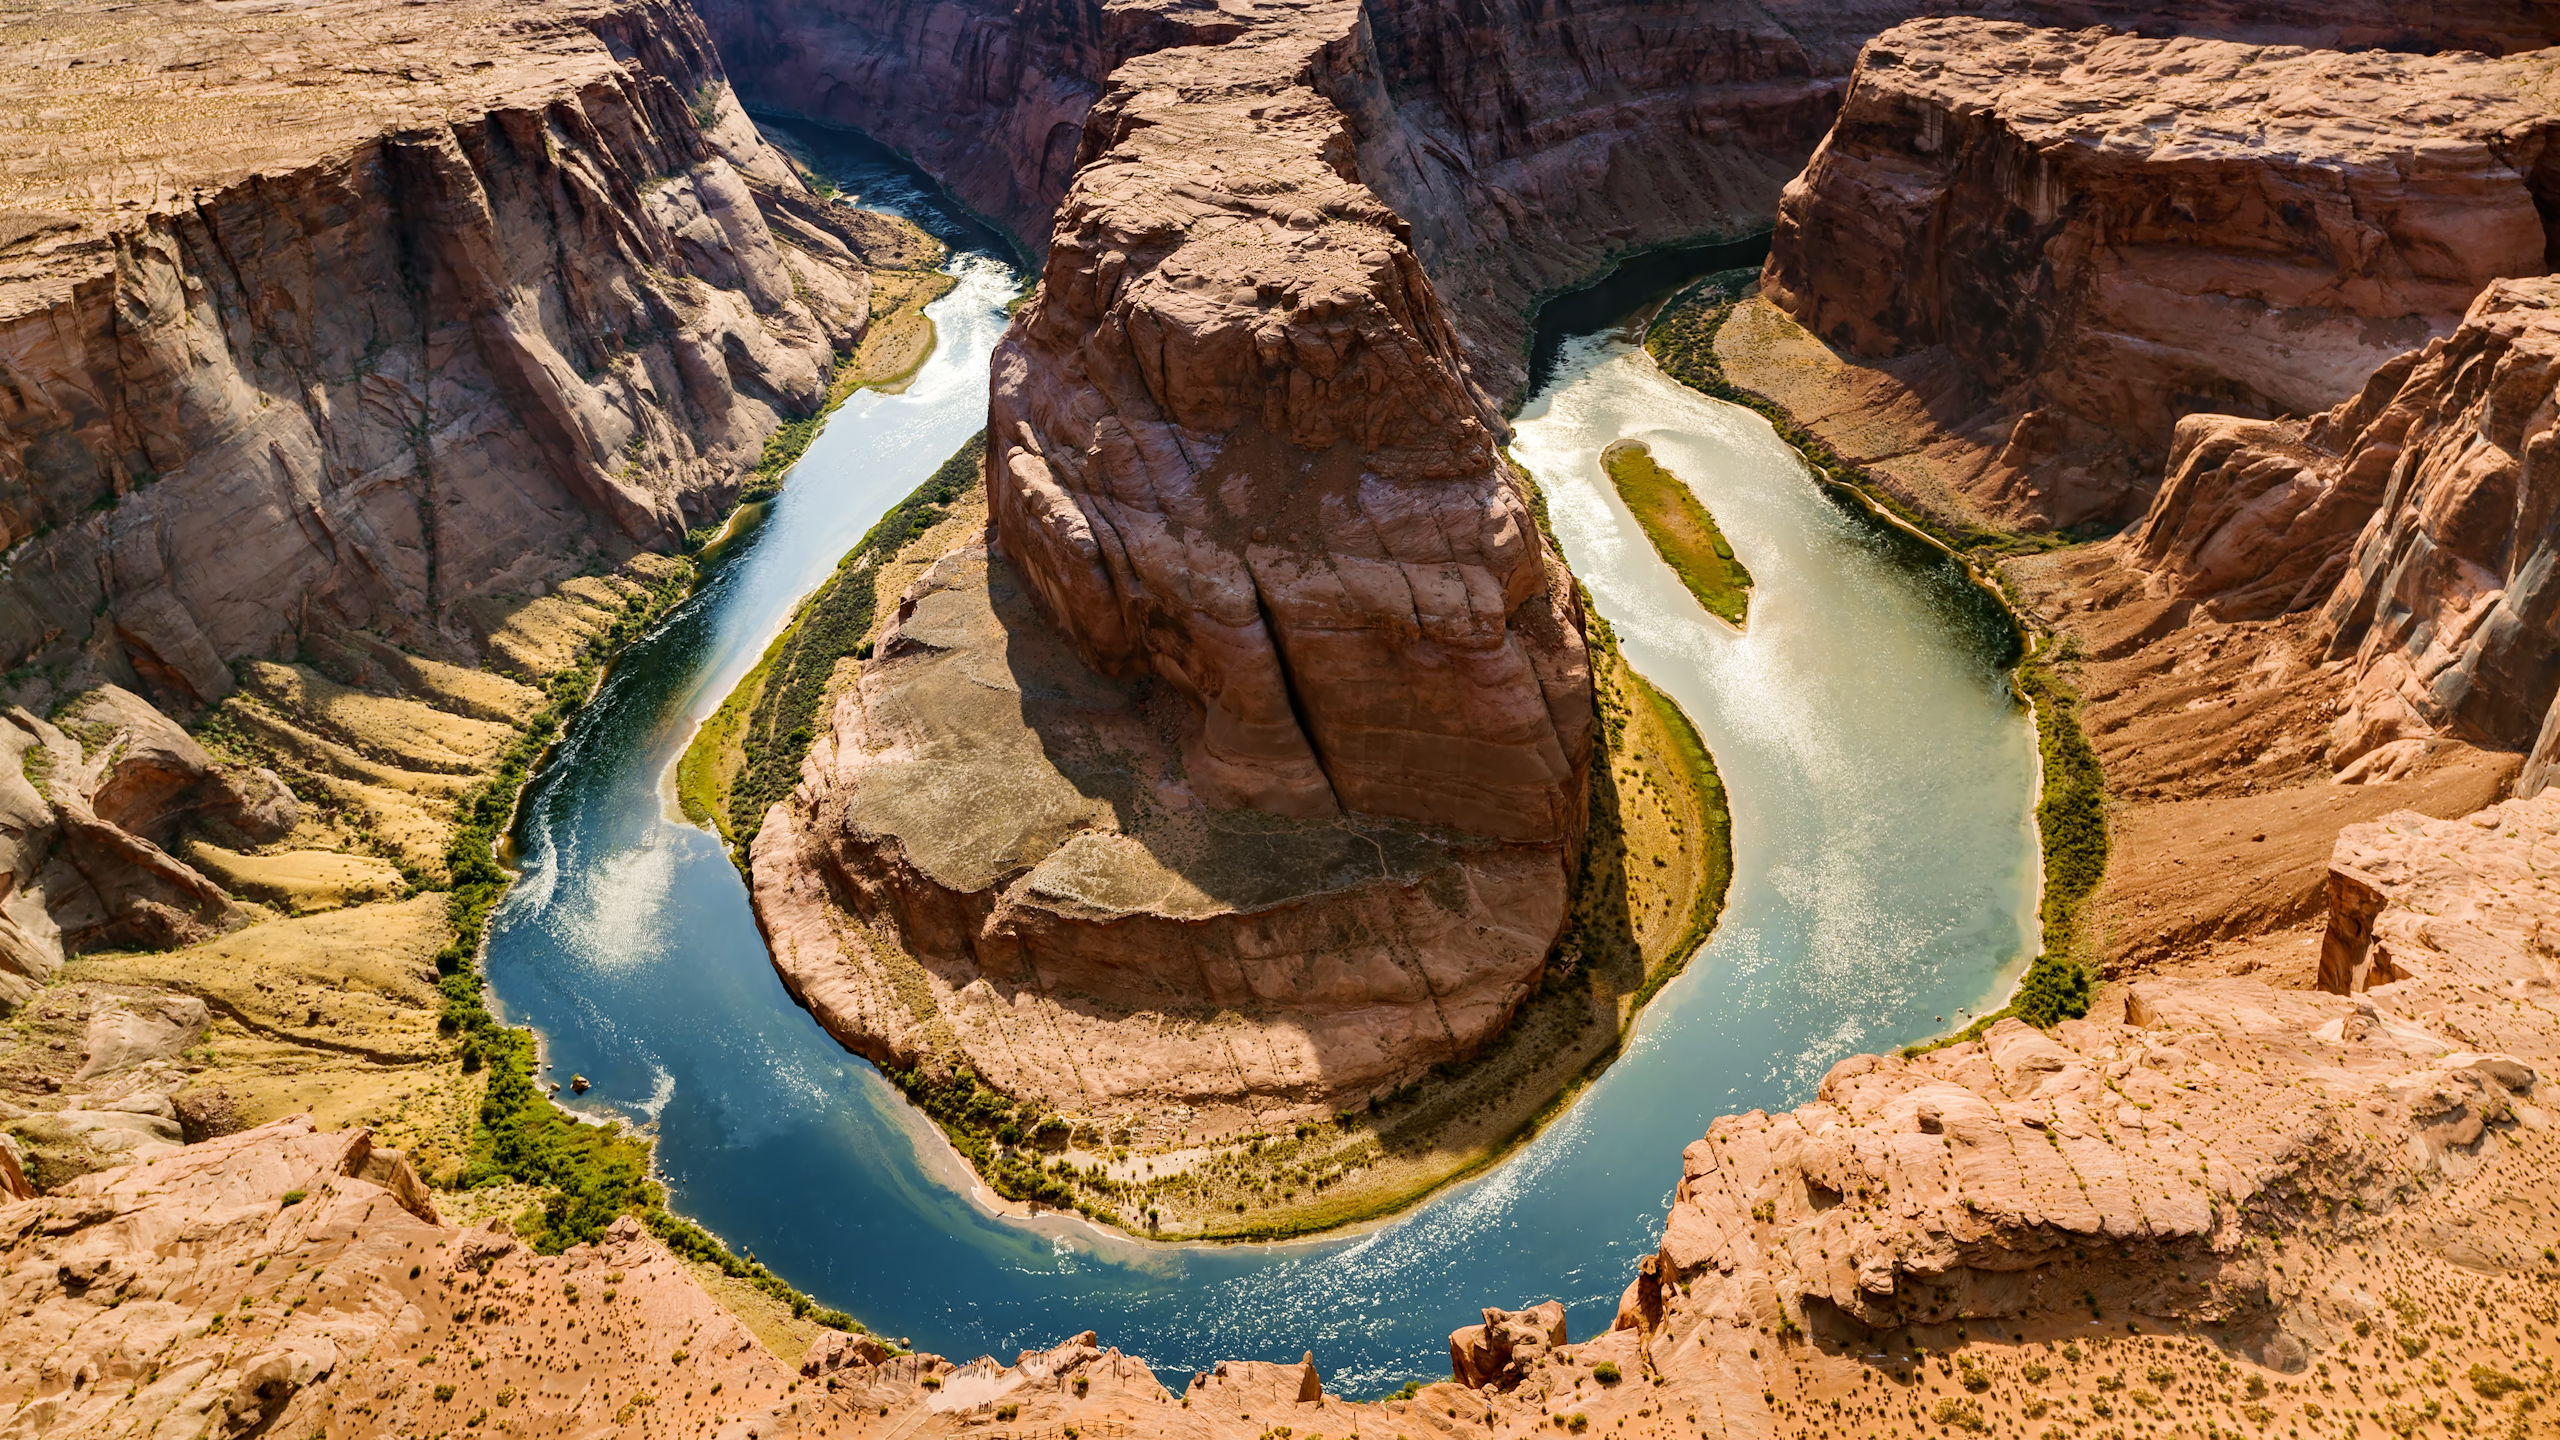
[830,626]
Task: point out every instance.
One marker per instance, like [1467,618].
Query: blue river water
[1882,784]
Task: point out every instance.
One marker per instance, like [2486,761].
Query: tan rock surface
[1231,444]
[1053,900]
[2108,232]
[344,319]
[2410,519]
[1527,146]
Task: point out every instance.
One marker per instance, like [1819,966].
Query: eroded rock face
[2111,232]
[349,352]
[2417,519]
[84,813]
[1525,143]
[1232,445]
[290,1281]
[1090,931]
[1502,1350]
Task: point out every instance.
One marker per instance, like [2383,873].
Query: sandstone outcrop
[1232,445]
[84,814]
[1525,145]
[1090,931]
[430,314]
[2413,519]
[2140,1165]
[2107,232]
[1502,1350]
[289,1281]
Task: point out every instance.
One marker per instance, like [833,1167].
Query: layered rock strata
[1527,145]
[347,319]
[86,823]
[2106,233]
[2413,519]
[1023,840]
[1232,445]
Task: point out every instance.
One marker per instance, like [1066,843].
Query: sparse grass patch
[1683,533]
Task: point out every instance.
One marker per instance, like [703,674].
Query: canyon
[432,319]
[1248,520]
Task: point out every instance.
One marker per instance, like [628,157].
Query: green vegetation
[1682,340]
[1683,533]
[595,1173]
[783,449]
[748,755]
[2072,818]
[1690,749]
[2071,815]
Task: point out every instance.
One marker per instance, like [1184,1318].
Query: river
[1884,878]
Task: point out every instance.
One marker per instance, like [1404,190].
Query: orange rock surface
[355,316]
[2108,232]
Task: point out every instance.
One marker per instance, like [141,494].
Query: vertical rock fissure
[1289,690]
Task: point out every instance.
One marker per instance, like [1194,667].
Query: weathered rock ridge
[2416,519]
[1525,143]
[353,320]
[1232,444]
[2106,232]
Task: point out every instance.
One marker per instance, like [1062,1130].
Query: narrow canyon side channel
[1885,871]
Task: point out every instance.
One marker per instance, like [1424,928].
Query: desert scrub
[747,756]
[1683,533]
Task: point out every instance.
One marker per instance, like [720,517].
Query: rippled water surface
[1884,877]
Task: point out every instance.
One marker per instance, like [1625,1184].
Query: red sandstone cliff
[2105,233]
[356,319]
[2417,519]
[1526,143]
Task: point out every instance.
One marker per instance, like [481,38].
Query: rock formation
[436,311]
[1270,707]
[1526,145]
[85,812]
[1020,826]
[2411,518]
[1232,445]
[2107,232]
[2298,1175]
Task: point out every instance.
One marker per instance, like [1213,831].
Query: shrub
[1606,1372]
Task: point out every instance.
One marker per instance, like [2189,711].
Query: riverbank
[2071,810]
[341,974]
[1657,863]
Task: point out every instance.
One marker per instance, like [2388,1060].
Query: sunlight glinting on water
[1884,875]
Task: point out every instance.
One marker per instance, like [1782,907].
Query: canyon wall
[1527,143]
[329,344]
[2417,519]
[2106,232]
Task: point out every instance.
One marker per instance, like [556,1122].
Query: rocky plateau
[341,320]
[346,352]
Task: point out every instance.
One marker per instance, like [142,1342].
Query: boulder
[1500,1351]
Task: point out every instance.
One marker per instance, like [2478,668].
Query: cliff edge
[356,320]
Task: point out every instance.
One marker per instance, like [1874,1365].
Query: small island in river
[1683,533]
